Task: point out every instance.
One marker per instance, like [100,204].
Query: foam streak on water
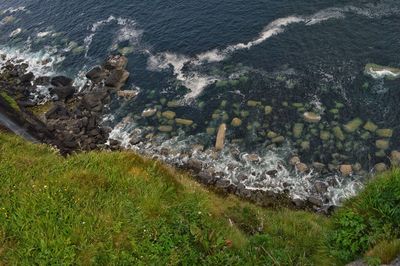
[196,82]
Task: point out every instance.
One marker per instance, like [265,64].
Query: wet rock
[385,133]
[220,142]
[149,112]
[206,177]
[195,165]
[63,93]
[116,62]
[346,169]
[173,104]
[302,168]
[382,144]
[27,78]
[353,125]
[8,20]
[380,168]
[319,167]
[298,130]
[299,203]
[395,158]
[370,126]
[223,183]
[169,115]
[311,117]
[128,94]
[183,122]
[61,81]
[96,74]
[117,78]
[236,122]
[243,192]
[321,187]
[42,81]
[315,201]
[272,173]
[254,158]
[294,160]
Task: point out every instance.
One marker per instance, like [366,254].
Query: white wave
[15,32]
[42,63]
[128,32]
[379,74]
[12,10]
[43,34]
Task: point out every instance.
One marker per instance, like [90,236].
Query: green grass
[13,104]
[369,221]
[117,208]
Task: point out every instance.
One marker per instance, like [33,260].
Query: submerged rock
[184,122]
[165,128]
[128,94]
[298,130]
[311,117]
[268,110]
[385,133]
[169,115]
[353,125]
[149,112]
[370,126]
[236,122]
[220,142]
[382,144]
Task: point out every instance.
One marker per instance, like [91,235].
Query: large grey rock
[220,142]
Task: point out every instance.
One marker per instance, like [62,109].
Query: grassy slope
[118,208]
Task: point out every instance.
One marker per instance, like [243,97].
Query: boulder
[321,187]
[236,122]
[116,62]
[149,112]
[169,115]
[63,93]
[117,78]
[395,158]
[315,201]
[298,130]
[382,144]
[96,74]
[128,94]
[165,129]
[183,122]
[353,125]
[294,160]
[220,142]
[385,133]
[61,81]
[302,167]
[346,169]
[311,117]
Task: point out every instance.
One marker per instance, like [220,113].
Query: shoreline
[73,121]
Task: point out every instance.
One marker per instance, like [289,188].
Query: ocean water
[208,59]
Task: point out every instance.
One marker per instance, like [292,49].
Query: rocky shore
[72,119]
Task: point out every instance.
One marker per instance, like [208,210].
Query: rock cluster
[71,118]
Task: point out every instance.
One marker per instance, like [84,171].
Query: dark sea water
[211,57]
